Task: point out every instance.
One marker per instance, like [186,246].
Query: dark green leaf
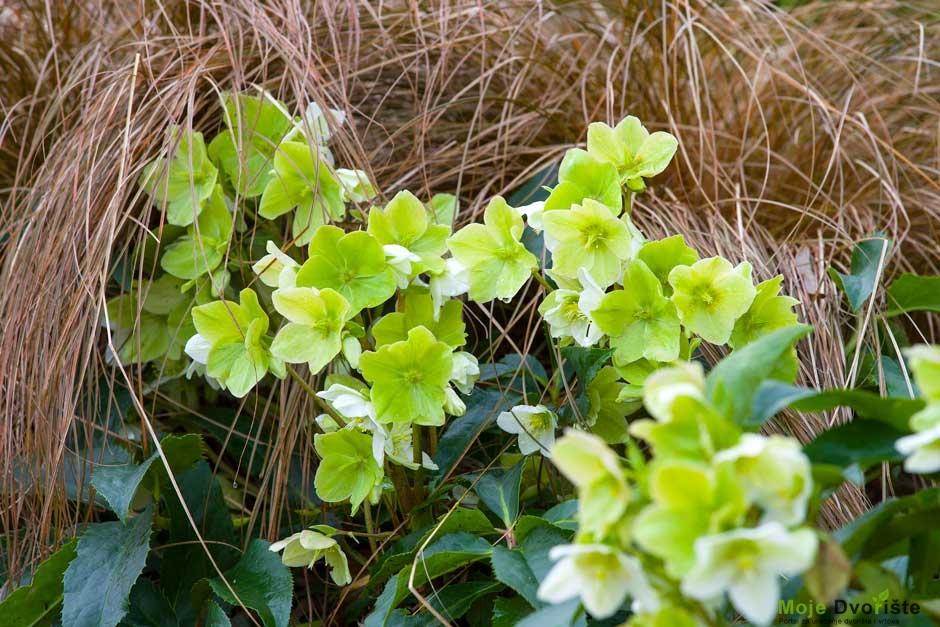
[533,189]
[118,484]
[451,552]
[564,515]
[867,256]
[215,616]
[870,531]
[499,490]
[773,396]
[585,363]
[401,553]
[910,292]
[511,568]
[454,600]
[98,581]
[862,442]
[536,547]
[185,562]
[261,582]
[733,383]
[149,607]
[567,614]
[508,611]
[37,605]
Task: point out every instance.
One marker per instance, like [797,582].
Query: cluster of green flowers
[651,301]
[922,448]
[374,309]
[714,511]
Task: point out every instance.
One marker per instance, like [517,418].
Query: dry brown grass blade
[799,135]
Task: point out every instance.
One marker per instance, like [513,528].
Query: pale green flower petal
[711,295]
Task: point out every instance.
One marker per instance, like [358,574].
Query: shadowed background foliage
[800,133]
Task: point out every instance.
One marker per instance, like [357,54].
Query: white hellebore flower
[454,281]
[198,347]
[397,444]
[349,402]
[562,311]
[775,474]
[307,547]
[535,426]
[922,450]
[602,576]
[276,269]
[465,371]
[400,259]
[746,563]
[355,185]
[533,214]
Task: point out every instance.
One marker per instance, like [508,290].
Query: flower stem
[370,525]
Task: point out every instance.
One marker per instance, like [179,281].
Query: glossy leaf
[261,582]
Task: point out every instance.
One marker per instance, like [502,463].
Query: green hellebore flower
[239,356]
[603,492]
[353,264]
[581,176]
[768,312]
[255,127]
[314,332]
[497,262]
[405,222]
[347,467]
[747,564]
[775,474]
[710,296]
[641,322]
[686,426]
[307,547]
[203,247]
[661,256]
[635,152]
[665,385]
[602,576]
[409,379]
[417,309]
[689,500]
[925,366]
[301,180]
[184,182]
[591,237]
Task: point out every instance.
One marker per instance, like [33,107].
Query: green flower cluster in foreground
[715,511]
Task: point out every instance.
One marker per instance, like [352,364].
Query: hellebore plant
[685,514]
